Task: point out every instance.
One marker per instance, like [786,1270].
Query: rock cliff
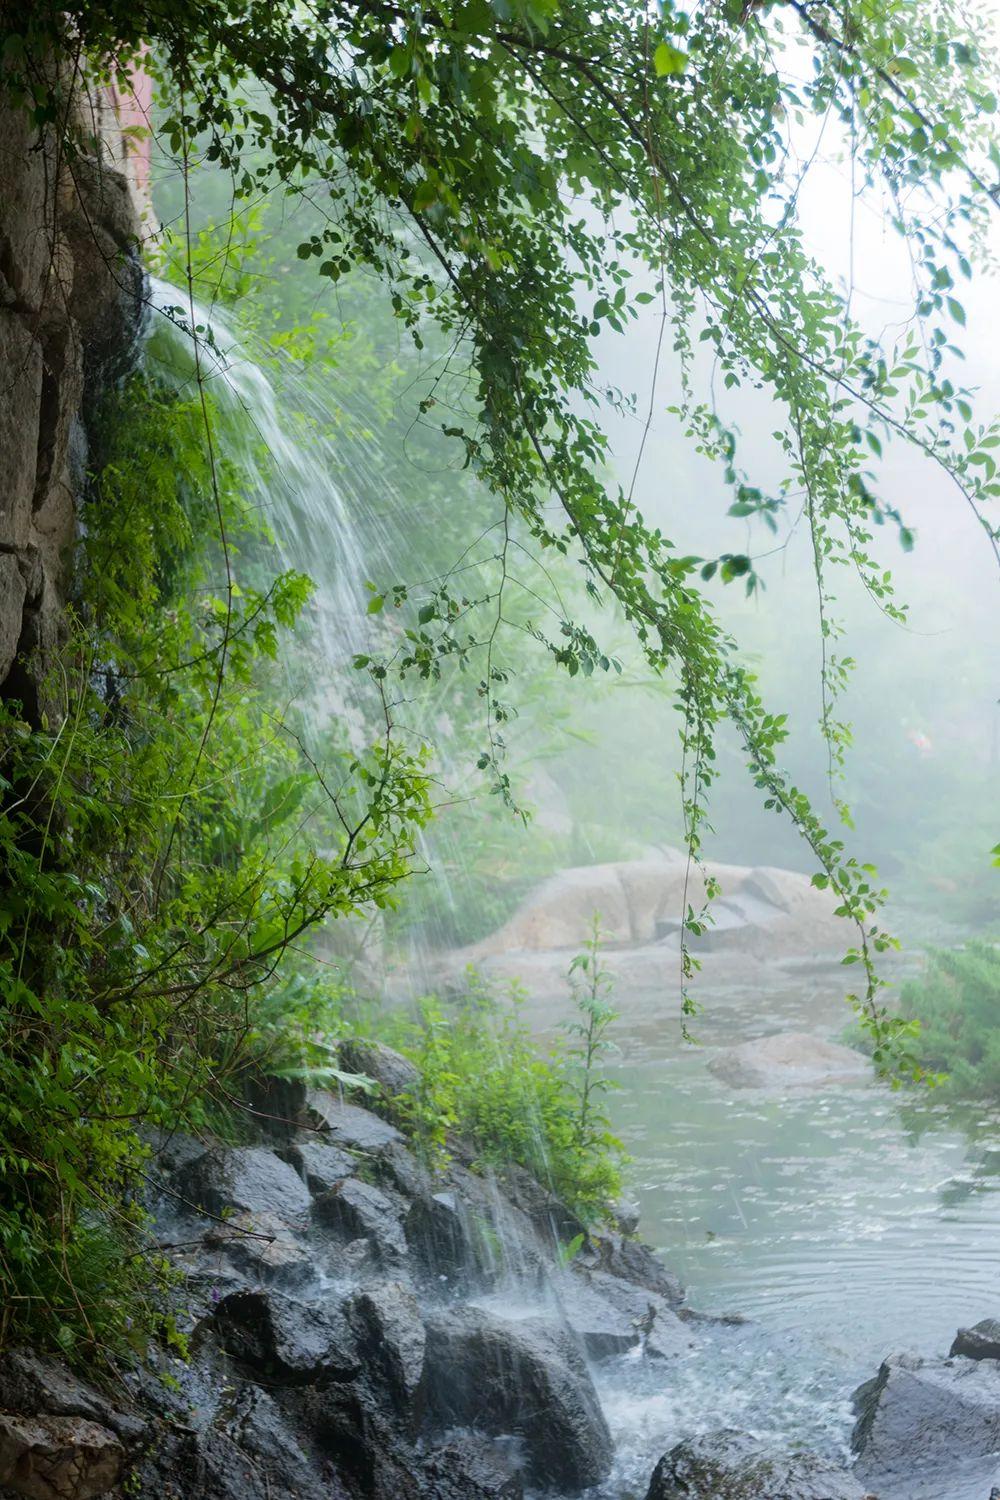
[71,297]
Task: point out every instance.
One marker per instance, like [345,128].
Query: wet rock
[731,1465]
[625,1214]
[58,1458]
[346,1124]
[359,1210]
[981,1341]
[390,1070]
[236,1443]
[391,1340]
[470,1468]
[790,1059]
[284,1341]
[926,1414]
[400,1169]
[248,1179]
[669,1337]
[322,1166]
[31,1383]
[633,1262]
[549,1216]
[259,1247]
[527,1379]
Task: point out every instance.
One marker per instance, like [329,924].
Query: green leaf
[669,61]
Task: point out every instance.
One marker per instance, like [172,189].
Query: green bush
[957,1003]
[484,1078]
[159,853]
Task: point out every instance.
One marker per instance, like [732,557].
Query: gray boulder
[730,1465]
[390,1070]
[58,1458]
[790,1059]
[284,1341]
[633,1262]
[319,1164]
[359,1210]
[248,1179]
[981,1341]
[391,1340]
[922,1414]
[345,1124]
[470,1468]
[527,1379]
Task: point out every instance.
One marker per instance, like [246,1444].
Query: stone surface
[248,1179]
[524,1378]
[320,1165]
[633,1262]
[731,1465]
[470,1468]
[390,1335]
[282,1340]
[919,1414]
[30,1382]
[763,913]
[790,1059]
[394,1073]
[71,303]
[359,1210]
[346,1124]
[982,1341]
[58,1458]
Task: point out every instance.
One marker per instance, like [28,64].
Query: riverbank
[349,1325]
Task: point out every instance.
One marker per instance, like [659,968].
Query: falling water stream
[844,1223]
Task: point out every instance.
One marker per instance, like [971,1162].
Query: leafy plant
[484,1079]
[957,1005]
[154,868]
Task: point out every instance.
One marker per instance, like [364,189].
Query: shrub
[485,1079]
[957,1003]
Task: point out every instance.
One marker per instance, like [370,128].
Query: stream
[844,1222]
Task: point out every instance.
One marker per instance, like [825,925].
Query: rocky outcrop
[981,1341]
[927,1417]
[789,1059]
[360,1328]
[527,1378]
[71,297]
[58,1458]
[764,913]
[731,1465]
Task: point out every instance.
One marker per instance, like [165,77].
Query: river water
[844,1222]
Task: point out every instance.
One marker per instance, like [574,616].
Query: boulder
[981,1341]
[29,1382]
[259,1247]
[359,1210]
[391,1340]
[247,1179]
[632,1262]
[763,913]
[527,1379]
[550,1217]
[470,1468]
[390,1070]
[730,1465]
[58,1458]
[284,1341]
[790,1059]
[319,1164]
[922,1414]
[346,1124]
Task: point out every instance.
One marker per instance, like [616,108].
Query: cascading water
[300,443]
